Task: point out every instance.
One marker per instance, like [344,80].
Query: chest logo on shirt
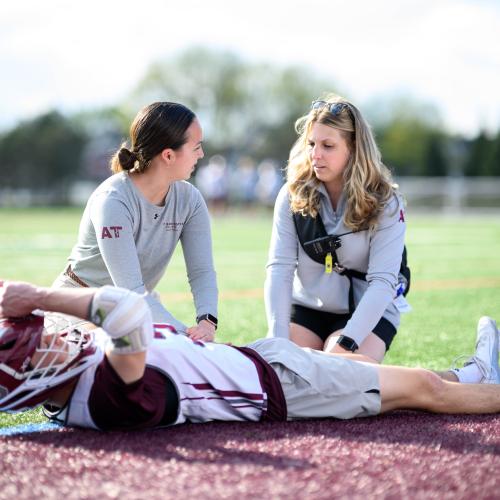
[401,216]
[111,232]
[173,226]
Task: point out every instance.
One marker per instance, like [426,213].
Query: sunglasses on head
[335,108]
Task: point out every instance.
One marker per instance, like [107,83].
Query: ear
[168,155]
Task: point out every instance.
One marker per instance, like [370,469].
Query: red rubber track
[401,455]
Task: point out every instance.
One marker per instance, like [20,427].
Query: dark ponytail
[156,127]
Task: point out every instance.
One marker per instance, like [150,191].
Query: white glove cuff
[125,317]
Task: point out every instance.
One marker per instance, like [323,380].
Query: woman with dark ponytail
[134,219]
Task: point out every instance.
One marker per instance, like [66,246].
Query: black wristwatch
[207,317]
[347,343]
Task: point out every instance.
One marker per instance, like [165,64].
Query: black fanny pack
[321,247]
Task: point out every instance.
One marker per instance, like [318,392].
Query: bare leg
[304,337]
[372,348]
[419,389]
[447,375]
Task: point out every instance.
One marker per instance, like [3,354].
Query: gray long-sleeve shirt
[293,277]
[126,241]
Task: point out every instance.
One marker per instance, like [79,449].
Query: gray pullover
[126,241]
[293,277]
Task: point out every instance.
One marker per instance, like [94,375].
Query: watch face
[211,318]
[207,317]
[347,343]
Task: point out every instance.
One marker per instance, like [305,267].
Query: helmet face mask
[34,362]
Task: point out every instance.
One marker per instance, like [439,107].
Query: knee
[431,386]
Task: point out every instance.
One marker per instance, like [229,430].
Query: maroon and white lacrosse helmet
[60,357]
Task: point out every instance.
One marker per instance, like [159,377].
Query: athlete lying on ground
[126,375]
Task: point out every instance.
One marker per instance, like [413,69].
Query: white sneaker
[486,355]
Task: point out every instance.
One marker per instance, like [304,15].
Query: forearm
[67,301]
[126,319]
[280,268]
[161,315]
[201,276]
[278,299]
[196,241]
[369,311]
[205,295]
[20,298]
[386,248]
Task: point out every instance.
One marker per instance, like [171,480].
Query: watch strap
[347,343]
[208,317]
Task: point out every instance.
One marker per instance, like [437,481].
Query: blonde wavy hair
[368,183]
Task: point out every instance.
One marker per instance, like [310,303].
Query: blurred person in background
[269,183]
[213,181]
[335,171]
[133,221]
[243,181]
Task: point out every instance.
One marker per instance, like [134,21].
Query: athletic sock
[469,374]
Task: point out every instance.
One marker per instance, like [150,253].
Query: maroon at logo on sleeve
[109,232]
[401,216]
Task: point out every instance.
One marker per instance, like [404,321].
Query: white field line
[421,286]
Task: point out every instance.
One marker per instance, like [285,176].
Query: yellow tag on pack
[328,263]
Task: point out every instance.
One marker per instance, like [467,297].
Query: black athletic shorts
[323,324]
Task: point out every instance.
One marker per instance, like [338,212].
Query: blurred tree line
[246,109]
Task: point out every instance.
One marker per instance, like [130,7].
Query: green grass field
[454,261]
